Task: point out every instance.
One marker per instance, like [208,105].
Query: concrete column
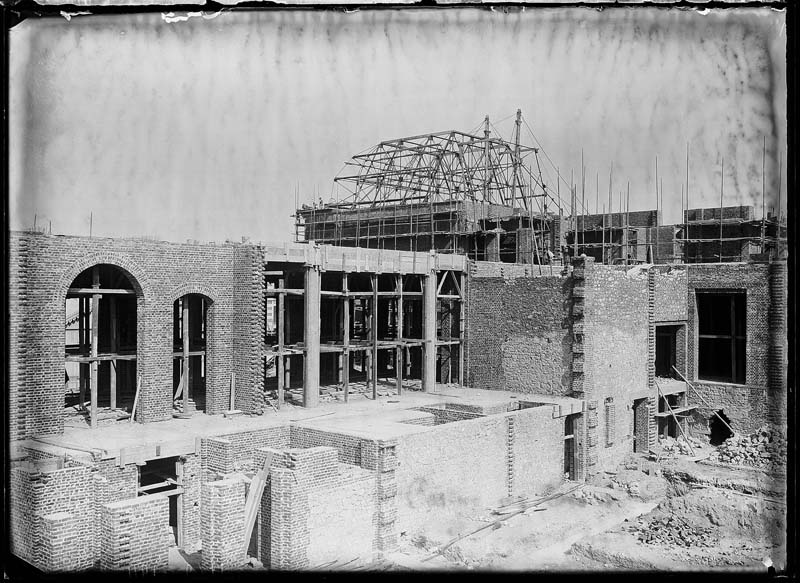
[429,333]
[311,321]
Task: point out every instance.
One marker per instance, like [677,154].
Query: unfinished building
[640,237]
[259,401]
[452,192]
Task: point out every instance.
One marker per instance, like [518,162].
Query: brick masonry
[41,269]
[222,523]
[619,340]
[762,399]
[517,330]
[135,535]
[457,467]
[319,510]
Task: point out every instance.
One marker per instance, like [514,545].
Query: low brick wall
[460,467]
[60,537]
[135,534]
[35,494]
[223,524]
[317,509]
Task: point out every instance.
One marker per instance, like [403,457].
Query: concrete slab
[376,419]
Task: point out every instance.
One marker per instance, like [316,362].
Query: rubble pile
[765,447]
[670,530]
[679,445]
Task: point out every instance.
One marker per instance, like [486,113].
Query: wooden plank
[461,327]
[95,323]
[99,358]
[253,501]
[112,372]
[89,291]
[179,505]
[136,397]
[398,360]
[345,339]
[185,338]
[280,325]
[374,334]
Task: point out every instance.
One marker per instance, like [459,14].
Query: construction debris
[765,447]
[671,530]
[671,445]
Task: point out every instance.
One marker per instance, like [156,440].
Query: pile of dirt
[646,486]
[671,530]
[764,448]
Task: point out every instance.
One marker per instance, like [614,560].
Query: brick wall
[60,537]
[135,534]
[762,399]
[617,331]
[35,494]
[460,467]
[191,500]
[223,524]
[42,267]
[516,333]
[317,510]
[340,516]
[248,327]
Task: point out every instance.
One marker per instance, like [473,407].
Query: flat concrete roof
[361,416]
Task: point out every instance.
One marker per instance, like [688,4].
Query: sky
[207,128]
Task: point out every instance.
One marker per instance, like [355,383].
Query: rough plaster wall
[462,466]
[517,335]
[538,451]
[616,331]
[340,517]
[449,469]
[671,293]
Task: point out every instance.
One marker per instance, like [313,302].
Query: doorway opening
[165,476]
[189,334]
[719,431]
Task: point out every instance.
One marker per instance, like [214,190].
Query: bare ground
[603,525]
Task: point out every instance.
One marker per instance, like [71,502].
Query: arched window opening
[189,353]
[100,345]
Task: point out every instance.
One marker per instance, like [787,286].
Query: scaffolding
[451,191]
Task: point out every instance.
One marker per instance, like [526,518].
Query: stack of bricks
[135,534]
[222,523]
